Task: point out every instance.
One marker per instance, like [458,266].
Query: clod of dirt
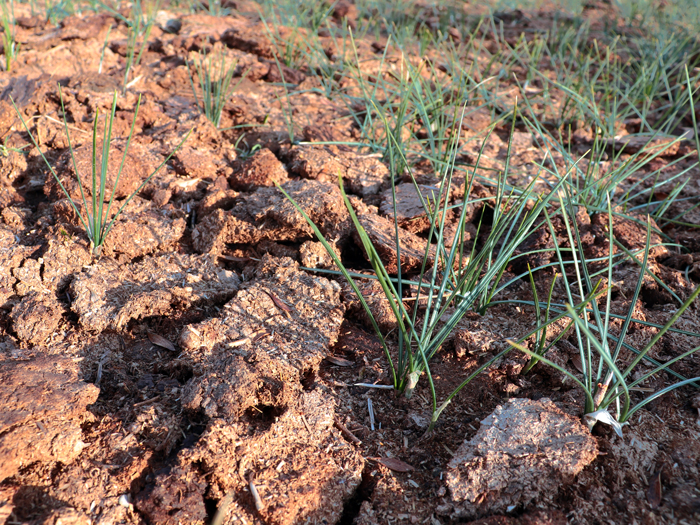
[142,227]
[110,295]
[314,255]
[191,162]
[218,196]
[11,256]
[41,404]
[524,452]
[410,212]
[28,277]
[631,234]
[253,39]
[262,169]
[268,215]
[301,467]
[382,233]
[364,175]
[36,317]
[277,328]
[376,300]
[281,73]
[61,260]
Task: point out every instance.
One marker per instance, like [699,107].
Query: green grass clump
[451,281]
[140,24]
[10,45]
[610,368]
[95,218]
[215,83]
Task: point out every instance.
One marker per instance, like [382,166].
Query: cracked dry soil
[195,373]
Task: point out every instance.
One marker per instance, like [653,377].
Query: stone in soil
[524,453]
[42,404]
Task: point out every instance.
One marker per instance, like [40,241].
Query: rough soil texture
[525,450]
[199,372]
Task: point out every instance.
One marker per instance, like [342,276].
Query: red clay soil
[195,374]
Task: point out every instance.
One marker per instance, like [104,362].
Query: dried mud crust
[301,467]
[139,164]
[248,399]
[525,450]
[267,215]
[108,295]
[363,175]
[36,317]
[43,394]
[275,331]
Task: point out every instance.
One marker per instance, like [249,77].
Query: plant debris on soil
[204,369]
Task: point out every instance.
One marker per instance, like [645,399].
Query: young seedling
[10,45]
[215,83]
[606,378]
[95,218]
[450,282]
[139,25]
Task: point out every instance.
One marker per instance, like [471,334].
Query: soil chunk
[364,175]
[140,163]
[277,329]
[36,317]
[262,169]
[41,404]
[109,296]
[301,467]
[382,233]
[524,452]
[268,215]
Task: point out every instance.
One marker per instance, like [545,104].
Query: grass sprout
[97,219]
[9,43]
[455,281]
[139,24]
[215,83]
[610,369]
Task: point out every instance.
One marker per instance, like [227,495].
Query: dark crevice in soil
[308,380]
[364,492]
[211,506]
[261,417]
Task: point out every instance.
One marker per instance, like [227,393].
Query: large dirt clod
[276,330]
[109,296]
[140,163]
[41,404]
[36,317]
[524,452]
[302,469]
[268,215]
[262,169]
[363,174]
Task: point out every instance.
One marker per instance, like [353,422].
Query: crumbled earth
[205,367]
